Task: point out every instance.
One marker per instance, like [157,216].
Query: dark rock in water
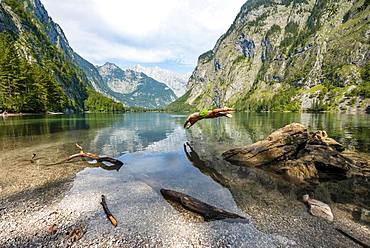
[367,110]
[298,154]
[194,205]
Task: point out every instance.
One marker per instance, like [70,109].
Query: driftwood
[194,205]
[295,152]
[116,164]
[110,216]
[280,145]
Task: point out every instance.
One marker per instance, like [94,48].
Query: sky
[170,34]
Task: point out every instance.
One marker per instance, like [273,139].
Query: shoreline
[185,111]
[30,114]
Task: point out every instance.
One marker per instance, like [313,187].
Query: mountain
[288,55]
[39,71]
[135,88]
[57,37]
[176,81]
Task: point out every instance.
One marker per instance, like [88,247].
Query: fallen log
[194,205]
[298,154]
[107,212]
[279,145]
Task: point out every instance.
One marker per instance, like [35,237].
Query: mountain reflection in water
[131,134]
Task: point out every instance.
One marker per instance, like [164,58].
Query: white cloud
[143,31]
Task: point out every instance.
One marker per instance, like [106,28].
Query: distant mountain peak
[110,66]
[174,80]
[135,87]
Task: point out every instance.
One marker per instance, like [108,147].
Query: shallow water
[151,145]
[136,131]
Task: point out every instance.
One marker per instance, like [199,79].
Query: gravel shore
[62,209]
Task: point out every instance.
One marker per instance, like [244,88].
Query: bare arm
[218,110]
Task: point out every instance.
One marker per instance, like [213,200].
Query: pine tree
[9,71]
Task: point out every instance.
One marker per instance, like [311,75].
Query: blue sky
[167,33]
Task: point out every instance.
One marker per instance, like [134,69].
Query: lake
[152,147]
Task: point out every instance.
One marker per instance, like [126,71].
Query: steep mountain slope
[37,73]
[136,88]
[288,55]
[58,38]
[176,81]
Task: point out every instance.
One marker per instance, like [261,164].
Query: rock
[52,229]
[318,208]
[267,49]
[246,46]
[217,65]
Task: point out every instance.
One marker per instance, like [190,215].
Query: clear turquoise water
[151,145]
[137,131]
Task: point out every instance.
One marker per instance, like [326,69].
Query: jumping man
[207,114]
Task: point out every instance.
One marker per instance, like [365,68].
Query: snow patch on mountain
[176,81]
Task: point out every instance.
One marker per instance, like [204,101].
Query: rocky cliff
[136,88]
[288,55]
